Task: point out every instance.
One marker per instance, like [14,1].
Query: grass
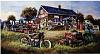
[8,35]
[54,35]
[12,40]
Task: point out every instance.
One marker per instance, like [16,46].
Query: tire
[69,41]
[42,43]
[24,40]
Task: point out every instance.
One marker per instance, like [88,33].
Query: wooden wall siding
[44,21]
[42,13]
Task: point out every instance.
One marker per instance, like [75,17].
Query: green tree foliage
[11,17]
[90,18]
[29,13]
[97,22]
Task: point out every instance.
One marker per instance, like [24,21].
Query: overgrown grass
[8,35]
[54,35]
[12,40]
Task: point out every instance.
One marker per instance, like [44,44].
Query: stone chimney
[59,6]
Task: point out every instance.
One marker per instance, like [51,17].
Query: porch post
[46,22]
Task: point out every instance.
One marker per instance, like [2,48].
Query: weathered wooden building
[54,15]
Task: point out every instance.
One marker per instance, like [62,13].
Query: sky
[15,7]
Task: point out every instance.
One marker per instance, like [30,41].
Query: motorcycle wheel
[45,44]
[24,40]
[89,37]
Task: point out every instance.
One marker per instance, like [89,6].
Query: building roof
[60,11]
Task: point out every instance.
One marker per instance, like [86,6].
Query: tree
[10,18]
[29,13]
[80,17]
[97,22]
[90,18]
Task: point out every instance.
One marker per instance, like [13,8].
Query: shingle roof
[53,10]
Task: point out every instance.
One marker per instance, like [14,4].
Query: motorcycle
[36,40]
[89,33]
[73,38]
[76,38]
